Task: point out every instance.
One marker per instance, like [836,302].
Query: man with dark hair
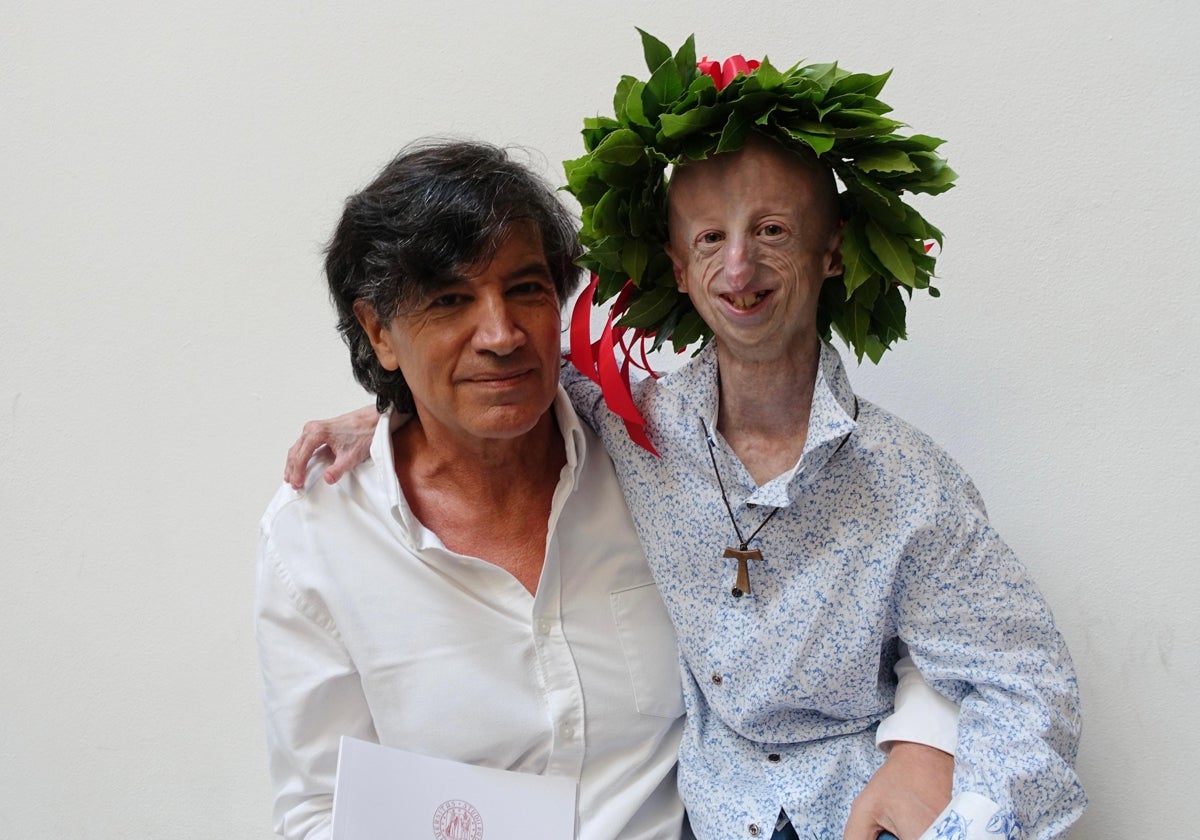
[475,590]
[436,208]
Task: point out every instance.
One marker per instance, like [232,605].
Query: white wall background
[169,172]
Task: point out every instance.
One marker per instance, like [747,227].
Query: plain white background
[170,172]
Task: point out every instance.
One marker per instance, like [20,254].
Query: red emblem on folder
[457,819]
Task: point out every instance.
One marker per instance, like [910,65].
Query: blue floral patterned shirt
[879,538]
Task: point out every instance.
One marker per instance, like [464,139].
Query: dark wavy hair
[440,207]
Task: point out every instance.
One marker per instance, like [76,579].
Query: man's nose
[739,262]
[496,331]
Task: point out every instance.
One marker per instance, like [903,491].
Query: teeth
[745,301]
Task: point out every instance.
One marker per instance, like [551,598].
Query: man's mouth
[744,301]
[499,376]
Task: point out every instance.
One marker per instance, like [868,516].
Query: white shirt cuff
[922,715]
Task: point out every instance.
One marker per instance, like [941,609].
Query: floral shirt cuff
[970,816]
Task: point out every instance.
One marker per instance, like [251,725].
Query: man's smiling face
[754,235]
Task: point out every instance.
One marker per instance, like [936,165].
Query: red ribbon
[725,73]
[583,352]
[598,360]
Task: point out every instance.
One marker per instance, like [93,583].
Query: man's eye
[772,230]
[442,301]
[712,237]
[529,288]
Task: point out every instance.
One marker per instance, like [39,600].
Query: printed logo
[456,819]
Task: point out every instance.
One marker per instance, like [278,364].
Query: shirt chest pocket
[651,654]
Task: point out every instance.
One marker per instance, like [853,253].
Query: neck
[489,499]
[764,408]
[488,470]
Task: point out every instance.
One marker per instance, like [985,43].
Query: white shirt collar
[383,469]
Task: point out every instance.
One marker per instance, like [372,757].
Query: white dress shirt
[368,626]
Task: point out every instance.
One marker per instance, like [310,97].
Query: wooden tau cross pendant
[742,555]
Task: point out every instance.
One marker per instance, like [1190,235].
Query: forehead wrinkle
[770,174]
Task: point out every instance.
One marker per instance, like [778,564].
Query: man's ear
[677,267]
[833,254]
[377,334]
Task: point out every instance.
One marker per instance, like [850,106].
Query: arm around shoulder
[346,438]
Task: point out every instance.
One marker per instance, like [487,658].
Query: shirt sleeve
[585,397]
[921,716]
[312,695]
[978,629]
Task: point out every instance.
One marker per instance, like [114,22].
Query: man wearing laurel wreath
[803,539]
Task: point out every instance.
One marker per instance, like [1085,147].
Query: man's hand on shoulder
[905,795]
[348,437]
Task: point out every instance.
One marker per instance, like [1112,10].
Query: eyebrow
[533,267]
[540,268]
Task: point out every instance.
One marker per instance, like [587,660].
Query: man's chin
[508,421]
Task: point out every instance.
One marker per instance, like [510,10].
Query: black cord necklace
[743,553]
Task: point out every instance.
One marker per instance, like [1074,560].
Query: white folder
[384,793]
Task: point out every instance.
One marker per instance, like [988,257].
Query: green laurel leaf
[886,161]
[685,60]
[892,252]
[856,268]
[634,257]
[651,306]
[622,146]
[675,126]
[655,51]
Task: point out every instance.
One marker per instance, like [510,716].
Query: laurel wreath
[685,112]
